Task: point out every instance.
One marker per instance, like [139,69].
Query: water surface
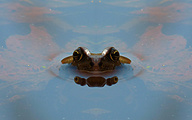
[36,35]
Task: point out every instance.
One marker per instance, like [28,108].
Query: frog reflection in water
[96,81]
[96,63]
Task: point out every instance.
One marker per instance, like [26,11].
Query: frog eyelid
[104,52]
[111,57]
[80,57]
[76,51]
[115,51]
[87,52]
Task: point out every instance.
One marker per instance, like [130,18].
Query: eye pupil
[115,55]
[115,79]
[77,55]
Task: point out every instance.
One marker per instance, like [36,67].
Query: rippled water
[69,72]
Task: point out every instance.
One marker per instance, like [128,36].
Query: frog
[96,81]
[107,60]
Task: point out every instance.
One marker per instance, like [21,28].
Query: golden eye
[111,81]
[77,55]
[114,55]
[115,79]
[80,81]
[76,79]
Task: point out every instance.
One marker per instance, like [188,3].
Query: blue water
[36,35]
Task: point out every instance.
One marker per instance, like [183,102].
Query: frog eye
[76,79]
[114,55]
[81,81]
[115,79]
[77,54]
[111,81]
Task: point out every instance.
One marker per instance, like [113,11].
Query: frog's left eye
[81,81]
[78,54]
[114,55]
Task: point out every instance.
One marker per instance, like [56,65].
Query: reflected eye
[81,81]
[77,55]
[111,81]
[115,79]
[76,79]
[114,55]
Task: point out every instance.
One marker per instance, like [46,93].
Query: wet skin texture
[85,60]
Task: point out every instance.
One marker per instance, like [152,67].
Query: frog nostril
[100,64]
[91,64]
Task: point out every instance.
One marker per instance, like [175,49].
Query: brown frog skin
[85,60]
[96,81]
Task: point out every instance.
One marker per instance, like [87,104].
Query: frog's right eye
[77,54]
[114,55]
[111,81]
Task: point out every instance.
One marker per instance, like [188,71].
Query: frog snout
[96,63]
